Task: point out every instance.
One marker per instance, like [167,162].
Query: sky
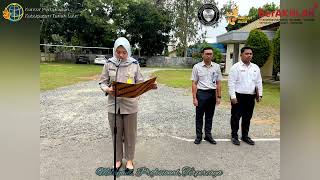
[244,7]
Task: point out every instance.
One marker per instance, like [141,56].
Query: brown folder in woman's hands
[133,90]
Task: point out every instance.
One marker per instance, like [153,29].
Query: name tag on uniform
[130,79]
[214,77]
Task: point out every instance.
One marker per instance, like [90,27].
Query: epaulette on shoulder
[109,61]
[135,62]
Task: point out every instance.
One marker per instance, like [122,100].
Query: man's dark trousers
[206,106]
[244,108]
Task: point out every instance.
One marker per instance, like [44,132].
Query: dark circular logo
[208,14]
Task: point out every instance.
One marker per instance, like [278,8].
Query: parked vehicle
[100,59]
[222,66]
[82,59]
[142,62]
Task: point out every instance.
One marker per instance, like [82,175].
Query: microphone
[117,65]
[116,77]
[115,119]
[119,62]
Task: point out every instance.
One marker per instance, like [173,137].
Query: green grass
[174,78]
[181,79]
[54,75]
[271,96]
[168,67]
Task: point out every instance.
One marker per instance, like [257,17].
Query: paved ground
[75,138]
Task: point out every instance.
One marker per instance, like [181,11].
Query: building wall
[66,57]
[229,61]
[230,48]
[267,68]
[240,46]
[173,54]
[47,57]
[162,61]
[154,61]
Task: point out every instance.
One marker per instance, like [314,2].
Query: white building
[236,39]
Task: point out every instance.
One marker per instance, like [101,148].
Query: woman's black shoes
[118,168]
[129,171]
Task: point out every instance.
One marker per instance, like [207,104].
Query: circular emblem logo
[13,12]
[208,14]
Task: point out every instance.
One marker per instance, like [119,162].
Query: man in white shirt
[206,91]
[245,85]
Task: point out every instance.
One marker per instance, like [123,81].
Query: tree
[261,46]
[186,23]
[253,14]
[48,26]
[146,24]
[92,27]
[119,14]
[197,48]
[276,54]
[148,27]
[270,7]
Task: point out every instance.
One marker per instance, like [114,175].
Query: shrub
[261,46]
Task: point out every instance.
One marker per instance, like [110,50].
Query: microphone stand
[115,122]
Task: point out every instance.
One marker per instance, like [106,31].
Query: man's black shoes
[210,140]
[198,140]
[248,140]
[235,141]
